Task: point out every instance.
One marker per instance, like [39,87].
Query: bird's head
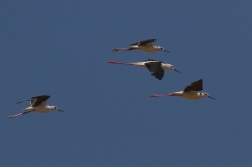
[204,94]
[56,108]
[159,48]
[169,67]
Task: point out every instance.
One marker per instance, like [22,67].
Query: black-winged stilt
[144,45]
[38,104]
[190,92]
[156,67]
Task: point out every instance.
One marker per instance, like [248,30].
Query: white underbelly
[146,48]
[191,96]
[42,110]
[37,109]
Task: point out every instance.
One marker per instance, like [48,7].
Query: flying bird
[190,92]
[156,67]
[144,45]
[38,104]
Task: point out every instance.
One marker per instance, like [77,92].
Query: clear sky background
[61,48]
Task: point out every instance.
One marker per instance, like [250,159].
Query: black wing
[35,101]
[195,86]
[155,68]
[144,42]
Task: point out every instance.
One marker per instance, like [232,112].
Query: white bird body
[152,49]
[164,66]
[40,109]
[156,67]
[190,92]
[192,95]
[38,104]
[144,45]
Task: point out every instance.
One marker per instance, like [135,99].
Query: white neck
[50,107]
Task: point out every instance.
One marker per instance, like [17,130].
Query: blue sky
[61,48]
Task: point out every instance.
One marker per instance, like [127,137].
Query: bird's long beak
[177,70]
[60,110]
[211,97]
[167,51]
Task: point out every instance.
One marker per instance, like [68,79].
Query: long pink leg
[159,95]
[13,116]
[114,62]
[121,49]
